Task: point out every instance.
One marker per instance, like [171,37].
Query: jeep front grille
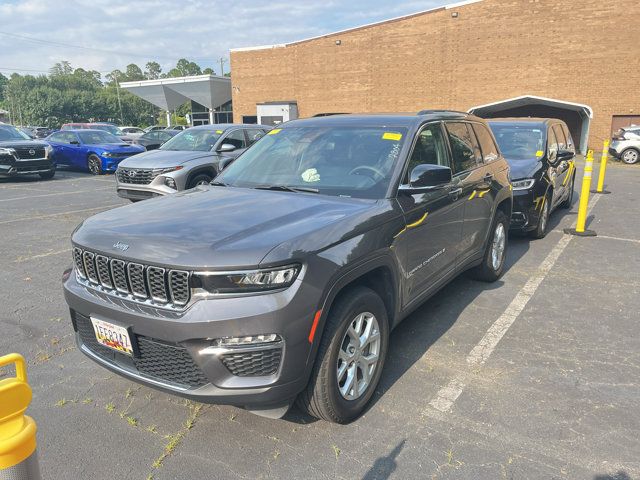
[146,283]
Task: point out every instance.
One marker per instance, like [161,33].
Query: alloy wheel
[498,246]
[630,157]
[94,166]
[358,356]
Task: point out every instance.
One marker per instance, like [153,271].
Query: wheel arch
[208,169]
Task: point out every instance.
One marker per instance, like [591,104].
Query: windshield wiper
[287,188]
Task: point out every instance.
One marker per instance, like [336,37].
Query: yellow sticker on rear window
[539,153]
[218,131]
[274,131]
[391,136]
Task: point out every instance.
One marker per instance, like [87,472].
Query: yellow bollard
[584,201]
[603,169]
[18,457]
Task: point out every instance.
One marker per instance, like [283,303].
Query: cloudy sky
[107,34]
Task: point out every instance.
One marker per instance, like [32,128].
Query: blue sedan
[94,150]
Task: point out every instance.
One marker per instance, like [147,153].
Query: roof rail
[428,111]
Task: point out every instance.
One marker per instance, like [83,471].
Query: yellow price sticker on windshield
[274,131]
[218,132]
[391,136]
[539,153]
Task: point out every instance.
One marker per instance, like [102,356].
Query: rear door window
[465,150]
[552,144]
[254,134]
[487,145]
[236,138]
[567,135]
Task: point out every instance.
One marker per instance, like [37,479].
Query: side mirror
[427,177]
[226,147]
[564,155]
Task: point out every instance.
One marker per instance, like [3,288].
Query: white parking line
[447,395]
[38,217]
[54,194]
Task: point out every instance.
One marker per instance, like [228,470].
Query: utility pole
[118,95]
[222,62]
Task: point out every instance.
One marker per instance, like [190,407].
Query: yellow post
[584,201]
[18,458]
[603,169]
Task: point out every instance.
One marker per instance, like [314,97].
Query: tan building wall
[582,51]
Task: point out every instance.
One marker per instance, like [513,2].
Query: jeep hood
[219,227]
[163,158]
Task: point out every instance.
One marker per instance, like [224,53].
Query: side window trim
[414,141]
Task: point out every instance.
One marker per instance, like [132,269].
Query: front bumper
[526,210]
[135,191]
[175,353]
[26,167]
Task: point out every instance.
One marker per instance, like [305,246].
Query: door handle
[488,177]
[455,193]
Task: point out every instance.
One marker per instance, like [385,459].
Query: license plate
[112,336]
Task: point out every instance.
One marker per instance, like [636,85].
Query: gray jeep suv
[285,276]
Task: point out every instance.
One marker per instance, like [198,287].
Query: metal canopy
[169,93]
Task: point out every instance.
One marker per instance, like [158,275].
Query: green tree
[116,76]
[133,72]
[3,84]
[152,70]
[208,71]
[61,68]
[185,68]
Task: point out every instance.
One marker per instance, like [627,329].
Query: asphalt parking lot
[535,376]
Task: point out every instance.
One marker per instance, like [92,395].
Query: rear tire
[492,266]
[543,222]
[94,165]
[200,179]
[330,395]
[630,156]
[48,175]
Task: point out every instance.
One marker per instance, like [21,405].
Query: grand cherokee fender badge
[121,246]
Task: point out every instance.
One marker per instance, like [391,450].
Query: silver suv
[193,157]
[626,147]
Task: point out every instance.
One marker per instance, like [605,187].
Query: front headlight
[525,184]
[246,282]
[7,151]
[160,171]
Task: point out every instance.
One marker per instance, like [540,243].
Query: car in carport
[191,158]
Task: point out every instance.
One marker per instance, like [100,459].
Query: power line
[112,52]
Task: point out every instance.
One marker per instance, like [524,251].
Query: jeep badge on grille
[121,246]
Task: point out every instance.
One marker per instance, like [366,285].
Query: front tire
[350,358]
[200,179]
[543,221]
[48,175]
[492,266]
[630,156]
[569,200]
[94,165]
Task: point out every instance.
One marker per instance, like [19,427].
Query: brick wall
[583,51]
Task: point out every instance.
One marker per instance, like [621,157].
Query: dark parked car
[284,278]
[540,152]
[20,155]
[193,157]
[95,151]
[152,140]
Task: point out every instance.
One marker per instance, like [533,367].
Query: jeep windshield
[341,161]
[520,142]
[193,140]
